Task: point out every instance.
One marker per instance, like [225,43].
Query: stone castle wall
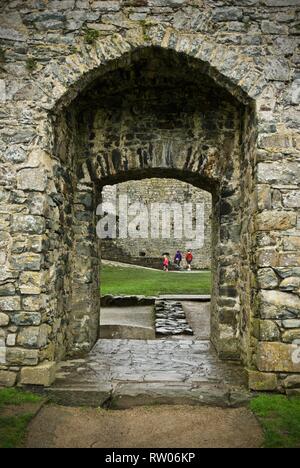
[99,92]
[148,252]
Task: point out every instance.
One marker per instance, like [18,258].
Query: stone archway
[62,175]
[156,113]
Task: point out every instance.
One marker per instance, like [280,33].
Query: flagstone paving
[125,373]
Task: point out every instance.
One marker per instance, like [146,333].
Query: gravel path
[157,427]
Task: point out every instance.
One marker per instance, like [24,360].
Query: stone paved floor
[186,361]
[127,373]
[123,373]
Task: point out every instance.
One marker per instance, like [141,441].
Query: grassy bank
[280,419]
[116,280]
[16,412]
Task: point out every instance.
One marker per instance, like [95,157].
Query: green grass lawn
[280,419]
[13,427]
[116,280]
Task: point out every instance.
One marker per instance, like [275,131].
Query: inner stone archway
[155,114]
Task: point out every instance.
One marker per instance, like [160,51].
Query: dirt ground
[155,427]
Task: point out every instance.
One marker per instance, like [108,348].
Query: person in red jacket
[189,259]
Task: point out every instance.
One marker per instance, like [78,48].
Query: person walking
[178,259]
[189,259]
[166,263]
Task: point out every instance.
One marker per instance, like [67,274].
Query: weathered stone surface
[26,261]
[4,319]
[26,318]
[7,289]
[227,14]
[291,199]
[31,282]
[291,284]
[33,337]
[277,70]
[34,303]
[291,336]
[10,303]
[259,381]
[7,378]
[267,278]
[280,3]
[11,339]
[15,154]
[267,330]
[275,220]
[32,179]
[267,257]
[43,374]
[290,323]
[28,224]
[22,357]
[292,381]
[2,91]
[276,304]
[276,172]
[278,357]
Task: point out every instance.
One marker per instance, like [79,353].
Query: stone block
[275,220]
[26,262]
[21,357]
[7,289]
[277,304]
[291,323]
[34,303]
[291,243]
[278,357]
[31,282]
[279,173]
[32,179]
[15,154]
[10,303]
[262,382]
[280,3]
[43,374]
[291,284]
[268,331]
[26,318]
[11,339]
[267,278]
[291,199]
[28,224]
[290,336]
[4,319]
[7,378]
[292,381]
[33,337]
[267,257]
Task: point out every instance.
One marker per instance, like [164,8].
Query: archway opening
[156,260]
[156,114]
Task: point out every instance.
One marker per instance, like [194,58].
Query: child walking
[166,263]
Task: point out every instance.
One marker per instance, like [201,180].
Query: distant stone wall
[148,252]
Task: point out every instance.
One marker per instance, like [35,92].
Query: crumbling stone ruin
[96,93]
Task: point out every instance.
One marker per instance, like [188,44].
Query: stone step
[134,394]
[186,297]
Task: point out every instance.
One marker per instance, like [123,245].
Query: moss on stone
[90,36]
[31,64]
